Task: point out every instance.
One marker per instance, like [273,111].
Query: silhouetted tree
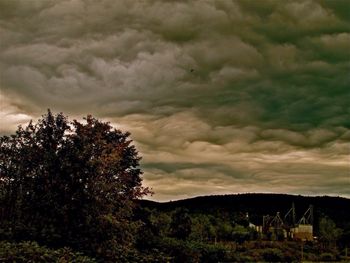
[181,224]
[329,233]
[69,183]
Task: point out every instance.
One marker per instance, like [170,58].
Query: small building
[304,229]
[303,232]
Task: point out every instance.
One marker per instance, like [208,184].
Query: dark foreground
[206,229]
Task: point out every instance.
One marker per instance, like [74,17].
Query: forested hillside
[218,228]
[257,205]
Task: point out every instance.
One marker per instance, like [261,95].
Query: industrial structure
[286,227]
[304,229]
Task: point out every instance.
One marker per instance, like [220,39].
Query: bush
[193,251]
[273,255]
[27,252]
[327,257]
[244,258]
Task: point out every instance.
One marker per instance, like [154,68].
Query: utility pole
[302,251]
[311,215]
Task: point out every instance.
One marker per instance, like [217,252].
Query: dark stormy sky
[219,96]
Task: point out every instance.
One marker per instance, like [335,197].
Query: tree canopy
[69,182]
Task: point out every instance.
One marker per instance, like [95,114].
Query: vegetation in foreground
[68,193]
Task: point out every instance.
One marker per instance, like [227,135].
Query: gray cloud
[220,96]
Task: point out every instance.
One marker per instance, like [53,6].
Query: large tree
[69,183]
[329,233]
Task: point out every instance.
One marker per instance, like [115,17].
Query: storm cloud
[219,96]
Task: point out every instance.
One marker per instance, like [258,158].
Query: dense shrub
[273,255]
[327,257]
[28,252]
[191,251]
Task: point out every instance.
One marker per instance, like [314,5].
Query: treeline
[191,236]
[257,205]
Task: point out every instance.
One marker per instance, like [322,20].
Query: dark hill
[257,205]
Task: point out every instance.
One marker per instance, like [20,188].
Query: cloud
[184,150]
[219,96]
[11,115]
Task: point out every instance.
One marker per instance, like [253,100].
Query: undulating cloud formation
[219,96]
